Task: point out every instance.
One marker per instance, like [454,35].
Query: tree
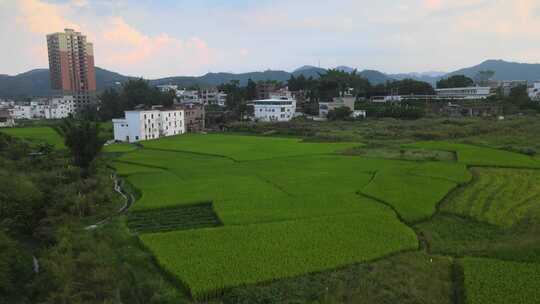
[251,90]
[83,140]
[340,113]
[133,93]
[456,81]
[482,77]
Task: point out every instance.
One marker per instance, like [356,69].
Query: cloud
[43,18]
[118,45]
[123,45]
[156,39]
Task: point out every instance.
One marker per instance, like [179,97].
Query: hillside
[36,82]
[504,70]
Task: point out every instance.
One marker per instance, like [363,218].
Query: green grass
[503,197]
[268,197]
[453,235]
[212,260]
[241,147]
[119,148]
[480,156]
[414,197]
[37,135]
[490,281]
[405,278]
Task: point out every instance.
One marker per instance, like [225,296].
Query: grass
[257,253]
[263,189]
[241,147]
[37,135]
[406,278]
[407,194]
[119,148]
[453,235]
[492,281]
[501,197]
[480,156]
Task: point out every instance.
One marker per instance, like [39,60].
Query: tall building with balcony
[71,66]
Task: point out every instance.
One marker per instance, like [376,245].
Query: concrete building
[194,116]
[337,102]
[188,96]
[141,125]
[464,93]
[274,109]
[213,97]
[6,118]
[45,108]
[534,91]
[265,89]
[71,66]
[59,107]
[506,86]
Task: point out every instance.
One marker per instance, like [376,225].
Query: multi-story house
[149,124]
[274,109]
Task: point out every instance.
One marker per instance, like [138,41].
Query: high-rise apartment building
[71,65]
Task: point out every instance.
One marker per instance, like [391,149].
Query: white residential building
[167,87]
[213,97]
[6,118]
[534,91]
[59,107]
[149,124]
[45,108]
[188,96]
[464,93]
[274,109]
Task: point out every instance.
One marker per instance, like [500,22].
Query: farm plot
[37,135]
[480,156]
[241,147]
[414,193]
[283,214]
[208,261]
[490,281]
[502,197]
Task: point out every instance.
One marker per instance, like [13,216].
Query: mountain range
[36,82]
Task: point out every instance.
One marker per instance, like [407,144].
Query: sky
[159,38]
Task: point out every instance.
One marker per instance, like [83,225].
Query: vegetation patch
[210,261]
[37,135]
[480,156]
[240,147]
[493,281]
[169,219]
[501,197]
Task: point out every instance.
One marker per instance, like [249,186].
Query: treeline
[47,197]
[132,94]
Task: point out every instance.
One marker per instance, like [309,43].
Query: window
[282,109]
[136,137]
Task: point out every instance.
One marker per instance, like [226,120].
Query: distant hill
[504,70]
[375,77]
[36,82]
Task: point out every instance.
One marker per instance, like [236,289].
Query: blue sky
[164,38]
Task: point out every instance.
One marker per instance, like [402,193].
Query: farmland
[37,135]
[375,215]
[259,188]
[493,281]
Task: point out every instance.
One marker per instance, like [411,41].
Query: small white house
[274,109]
[141,125]
[6,118]
[534,92]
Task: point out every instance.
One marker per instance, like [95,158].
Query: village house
[141,125]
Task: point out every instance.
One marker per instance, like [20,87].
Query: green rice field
[489,281]
[502,197]
[285,207]
[37,135]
